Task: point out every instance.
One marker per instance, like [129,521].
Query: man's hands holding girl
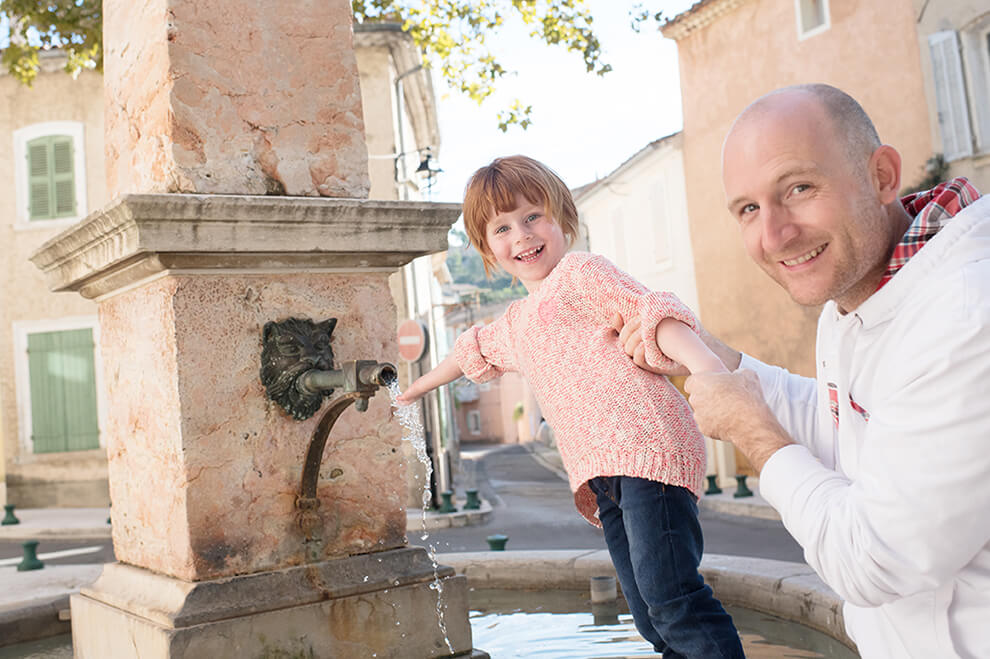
[727,405]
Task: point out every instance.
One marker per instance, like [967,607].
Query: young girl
[633,454]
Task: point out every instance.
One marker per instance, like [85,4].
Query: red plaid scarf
[931,210]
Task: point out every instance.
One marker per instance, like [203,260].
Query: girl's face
[526,242]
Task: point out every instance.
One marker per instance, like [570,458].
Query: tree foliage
[75,26]
[453,35]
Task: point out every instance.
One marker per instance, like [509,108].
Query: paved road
[59,552]
[534,507]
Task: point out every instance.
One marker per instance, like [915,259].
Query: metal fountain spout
[297,372]
[359,376]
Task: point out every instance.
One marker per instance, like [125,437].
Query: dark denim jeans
[655,541]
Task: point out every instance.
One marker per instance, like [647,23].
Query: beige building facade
[51,158]
[954,39]
[731,52]
[51,392]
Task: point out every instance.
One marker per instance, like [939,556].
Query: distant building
[954,38]
[731,52]
[51,397]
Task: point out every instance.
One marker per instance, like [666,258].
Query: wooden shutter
[52,185]
[63,391]
[950,95]
[39,183]
[63,176]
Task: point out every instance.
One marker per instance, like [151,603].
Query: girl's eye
[532,217]
[501,229]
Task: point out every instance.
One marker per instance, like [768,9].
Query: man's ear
[885,173]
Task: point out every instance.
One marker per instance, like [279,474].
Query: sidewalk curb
[435,520]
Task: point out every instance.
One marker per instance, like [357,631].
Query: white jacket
[893,507]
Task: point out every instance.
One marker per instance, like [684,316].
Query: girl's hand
[409,396]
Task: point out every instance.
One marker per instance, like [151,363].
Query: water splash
[412,431]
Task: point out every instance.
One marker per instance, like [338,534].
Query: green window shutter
[63,391]
[52,185]
[39,183]
[63,176]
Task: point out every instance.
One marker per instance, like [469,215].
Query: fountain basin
[790,591]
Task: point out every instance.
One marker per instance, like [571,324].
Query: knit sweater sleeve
[485,352]
[609,290]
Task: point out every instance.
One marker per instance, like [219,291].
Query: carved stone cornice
[139,236]
[699,15]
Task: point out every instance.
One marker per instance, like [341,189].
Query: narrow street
[534,507]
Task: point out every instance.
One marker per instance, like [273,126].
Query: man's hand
[731,407]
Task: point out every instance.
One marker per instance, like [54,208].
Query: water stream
[412,431]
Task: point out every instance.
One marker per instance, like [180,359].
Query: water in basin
[561,625]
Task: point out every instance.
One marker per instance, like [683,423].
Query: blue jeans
[654,539]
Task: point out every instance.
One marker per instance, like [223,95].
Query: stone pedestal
[233,97]
[204,470]
[376,605]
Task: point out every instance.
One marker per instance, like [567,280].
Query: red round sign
[412,340]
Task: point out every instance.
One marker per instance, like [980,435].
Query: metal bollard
[713,487]
[30,561]
[9,517]
[473,502]
[497,542]
[447,506]
[741,489]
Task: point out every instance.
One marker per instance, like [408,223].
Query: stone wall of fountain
[204,471]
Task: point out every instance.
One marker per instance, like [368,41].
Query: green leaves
[453,36]
[75,26]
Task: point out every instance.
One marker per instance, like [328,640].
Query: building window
[474,422]
[812,17]
[57,388]
[50,174]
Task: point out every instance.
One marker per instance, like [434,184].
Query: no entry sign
[412,340]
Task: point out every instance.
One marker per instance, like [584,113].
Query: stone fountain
[237,165]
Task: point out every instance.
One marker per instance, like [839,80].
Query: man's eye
[801,187]
[748,208]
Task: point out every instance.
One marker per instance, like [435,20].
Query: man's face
[809,216]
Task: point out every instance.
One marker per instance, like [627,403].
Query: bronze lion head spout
[290,348]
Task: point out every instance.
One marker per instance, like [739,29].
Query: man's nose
[779,228]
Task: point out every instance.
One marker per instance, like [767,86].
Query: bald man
[880,466]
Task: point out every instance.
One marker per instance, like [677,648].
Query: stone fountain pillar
[209,105]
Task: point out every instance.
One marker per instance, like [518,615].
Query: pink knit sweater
[610,417]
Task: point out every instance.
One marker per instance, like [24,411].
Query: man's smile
[805,257]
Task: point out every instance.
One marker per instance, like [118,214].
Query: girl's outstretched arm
[683,345]
[445,372]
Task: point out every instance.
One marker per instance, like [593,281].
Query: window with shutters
[474,422]
[57,392]
[50,174]
[950,95]
[812,17]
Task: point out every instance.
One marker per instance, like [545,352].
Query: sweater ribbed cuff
[653,308]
